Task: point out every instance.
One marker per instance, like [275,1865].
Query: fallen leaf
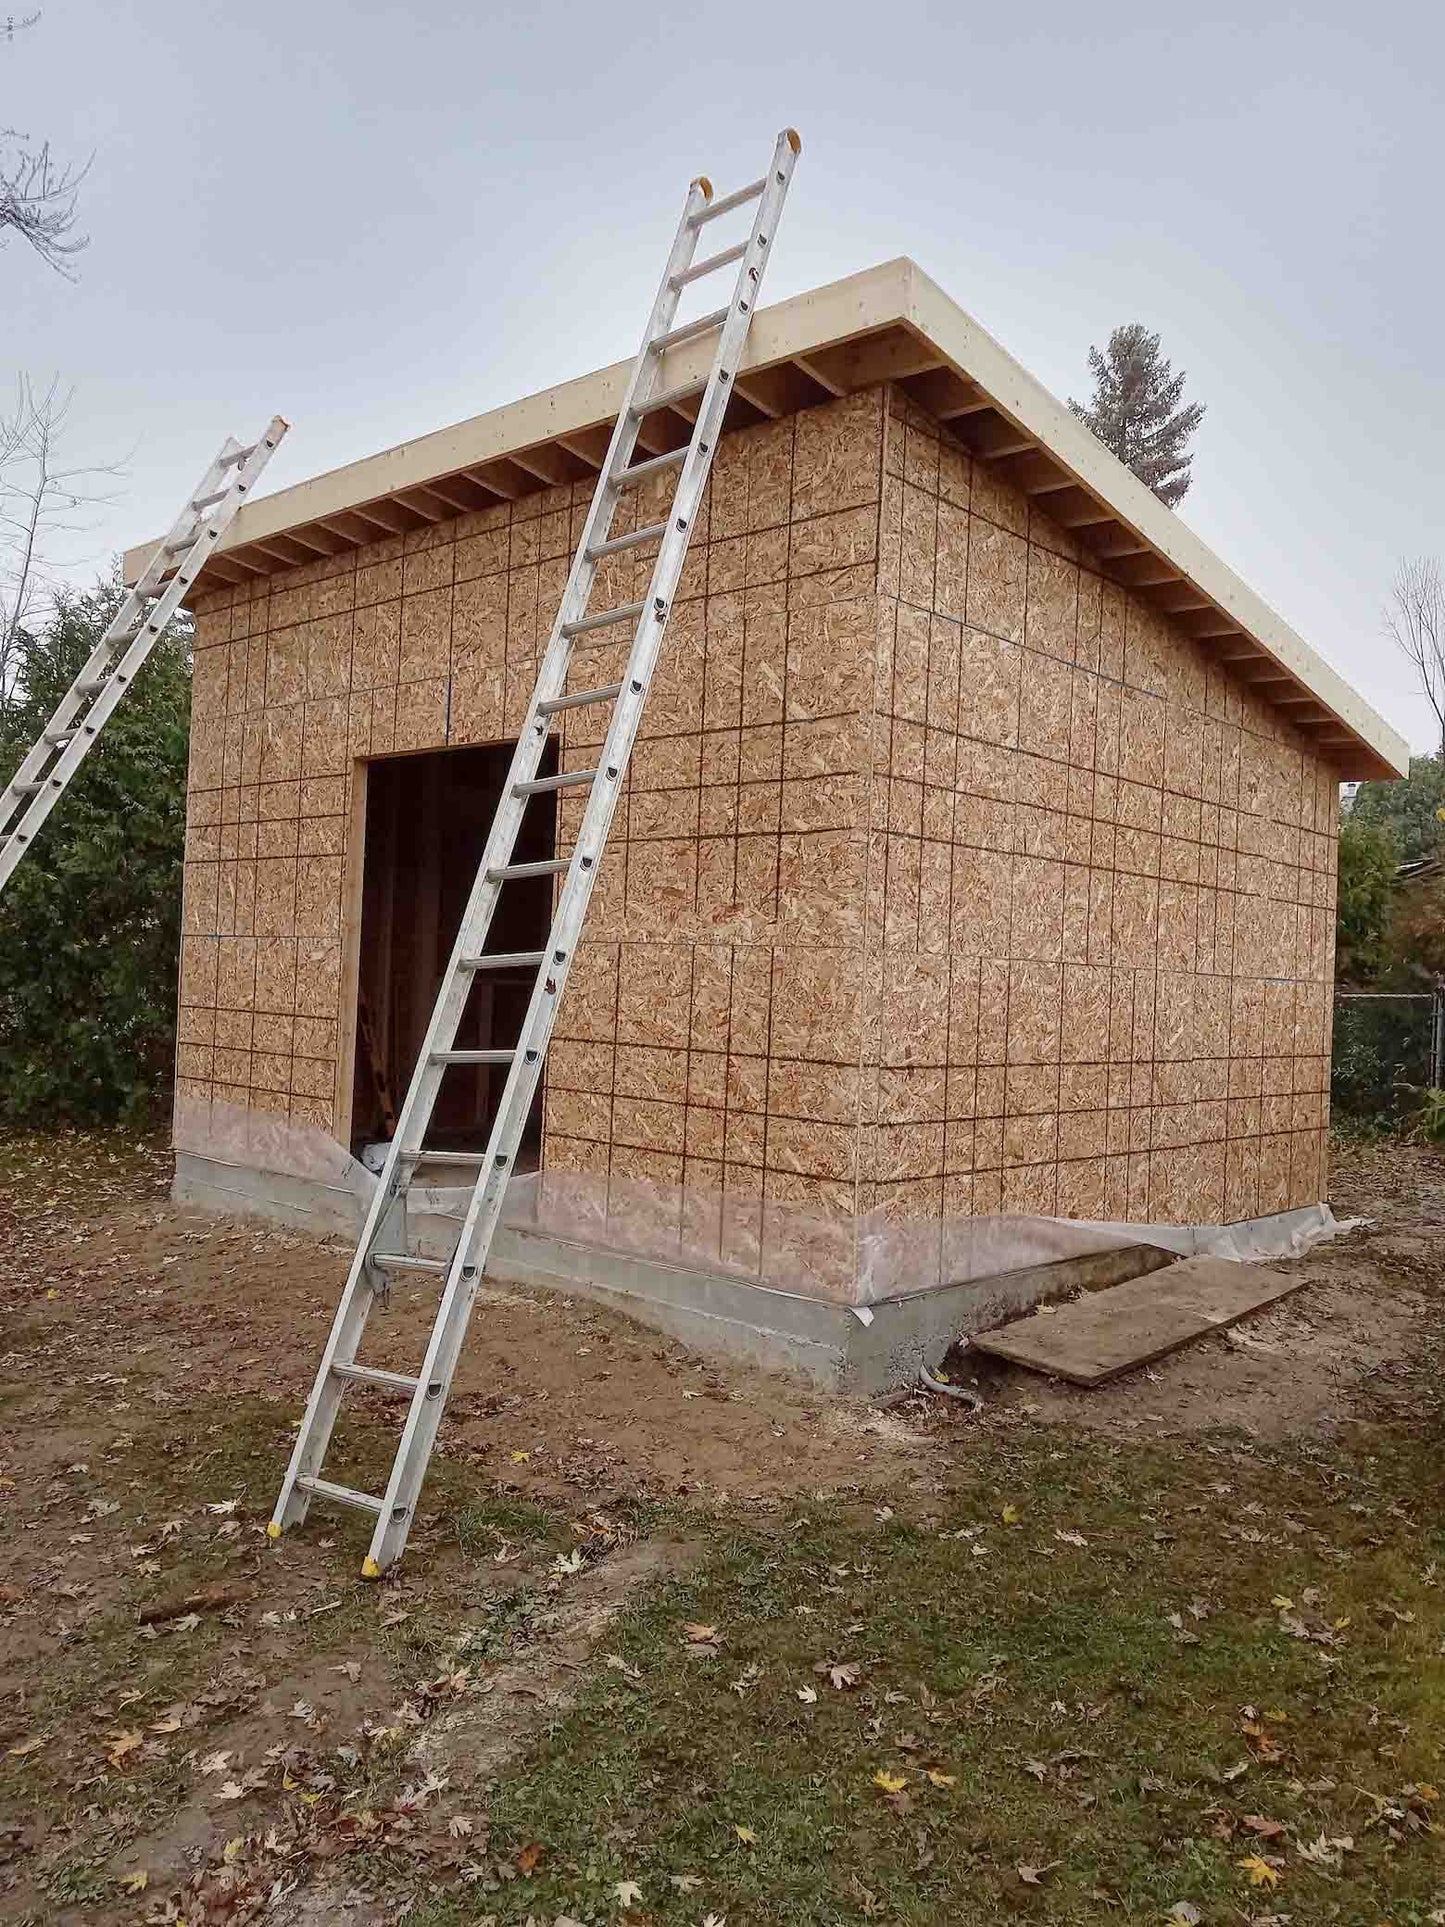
[807,1694]
[628,1893]
[890,1782]
[137,1882]
[120,1744]
[745,1834]
[520,1458]
[459,1826]
[233,1790]
[1258,1871]
[1185,1912]
[529,1856]
[843,1673]
[1010,1515]
[214,1763]
[694,1630]
[685,1883]
[935,1778]
[1034,1876]
[33,1745]
[1070,1539]
[1266,1829]
[1325,1852]
[568,1562]
[351,1668]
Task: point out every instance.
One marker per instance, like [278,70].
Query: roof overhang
[889,323]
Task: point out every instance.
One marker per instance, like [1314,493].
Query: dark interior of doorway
[427,818]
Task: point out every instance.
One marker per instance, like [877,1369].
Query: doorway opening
[427,818]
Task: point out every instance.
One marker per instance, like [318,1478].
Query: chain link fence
[1389,1047]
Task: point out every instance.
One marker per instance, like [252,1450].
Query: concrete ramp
[1111,1331]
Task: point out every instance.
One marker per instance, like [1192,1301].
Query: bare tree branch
[37,194]
[37,202]
[41,498]
[1415,622]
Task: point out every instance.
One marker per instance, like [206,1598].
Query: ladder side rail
[16,798]
[142,621]
[122,624]
[313,1438]
[484,1211]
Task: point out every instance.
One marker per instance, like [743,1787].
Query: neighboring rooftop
[889,323]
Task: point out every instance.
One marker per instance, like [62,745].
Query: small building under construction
[977,862]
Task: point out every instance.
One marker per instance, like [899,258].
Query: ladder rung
[443,1157]
[472,1056]
[157,589]
[668,397]
[341,1495]
[89,687]
[236,457]
[541,784]
[203,502]
[639,471]
[373,1375]
[690,330]
[710,265]
[727,203]
[59,737]
[501,960]
[549,867]
[403,1261]
[27,789]
[634,541]
[184,541]
[603,695]
[609,619]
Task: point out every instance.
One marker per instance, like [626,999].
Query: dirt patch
[1351,1334]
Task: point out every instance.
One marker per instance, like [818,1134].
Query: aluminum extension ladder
[381,1249]
[40,782]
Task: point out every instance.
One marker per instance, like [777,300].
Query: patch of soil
[1351,1336]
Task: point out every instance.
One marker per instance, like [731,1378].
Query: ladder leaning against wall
[381,1252]
[137,626]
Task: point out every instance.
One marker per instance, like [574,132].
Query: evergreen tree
[1135,411]
[90,921]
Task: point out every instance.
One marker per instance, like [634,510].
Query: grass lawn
[1087,1682]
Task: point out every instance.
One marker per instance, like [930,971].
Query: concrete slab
[1112,1331]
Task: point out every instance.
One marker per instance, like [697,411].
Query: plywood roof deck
[889,323]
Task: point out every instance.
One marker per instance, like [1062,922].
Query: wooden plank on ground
[1108,1332]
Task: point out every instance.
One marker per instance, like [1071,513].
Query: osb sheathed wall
[951,880]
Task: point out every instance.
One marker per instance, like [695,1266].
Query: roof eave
[890,322]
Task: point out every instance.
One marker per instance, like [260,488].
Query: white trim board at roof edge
[889,323]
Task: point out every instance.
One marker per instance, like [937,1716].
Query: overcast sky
[376,219]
